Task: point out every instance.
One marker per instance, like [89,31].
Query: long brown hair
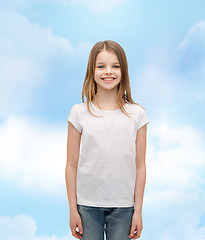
[90,86]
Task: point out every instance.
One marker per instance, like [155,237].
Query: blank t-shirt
[106,171]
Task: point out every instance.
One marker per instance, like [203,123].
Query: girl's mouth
[108,79]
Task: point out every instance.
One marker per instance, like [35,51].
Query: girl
[106,148]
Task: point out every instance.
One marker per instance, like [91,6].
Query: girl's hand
[137,226]
[75,221]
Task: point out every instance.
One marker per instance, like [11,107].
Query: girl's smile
[109,79]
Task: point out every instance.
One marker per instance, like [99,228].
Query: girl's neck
[106,104]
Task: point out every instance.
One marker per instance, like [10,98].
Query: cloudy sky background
[44,49]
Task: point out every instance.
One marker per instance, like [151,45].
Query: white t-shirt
[106,171]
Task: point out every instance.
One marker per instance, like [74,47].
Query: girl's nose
[108,70]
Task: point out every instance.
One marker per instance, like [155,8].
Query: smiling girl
[106,148]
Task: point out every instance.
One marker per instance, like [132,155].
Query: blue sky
[44,49]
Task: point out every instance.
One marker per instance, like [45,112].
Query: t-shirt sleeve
[142,118]
[74,118]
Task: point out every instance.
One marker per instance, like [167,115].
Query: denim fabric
[97,222]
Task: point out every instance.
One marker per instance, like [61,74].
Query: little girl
[106,148]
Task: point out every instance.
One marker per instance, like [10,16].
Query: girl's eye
[113,66]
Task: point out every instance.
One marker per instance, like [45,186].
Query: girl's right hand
[75,221]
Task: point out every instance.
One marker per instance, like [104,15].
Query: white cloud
[174,196]
[23,227]
[175,163]
[28,52]
[177,155]
[20,227]
[21,37]
[190,54]
[199,234]
[100,6]
[33,154]
[172,76]
[195,35]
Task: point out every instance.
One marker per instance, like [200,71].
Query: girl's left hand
[137,226]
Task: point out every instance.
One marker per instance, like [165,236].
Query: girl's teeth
[108,79]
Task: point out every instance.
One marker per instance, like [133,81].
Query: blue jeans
[116,223]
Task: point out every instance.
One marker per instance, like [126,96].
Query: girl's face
[107,70]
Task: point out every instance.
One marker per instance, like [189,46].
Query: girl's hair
[90,86]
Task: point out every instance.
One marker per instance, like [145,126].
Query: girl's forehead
[106,56]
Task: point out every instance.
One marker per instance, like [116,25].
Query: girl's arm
[73,149]
[137,224]
[140,168]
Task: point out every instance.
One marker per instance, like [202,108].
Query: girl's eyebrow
[103,62]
